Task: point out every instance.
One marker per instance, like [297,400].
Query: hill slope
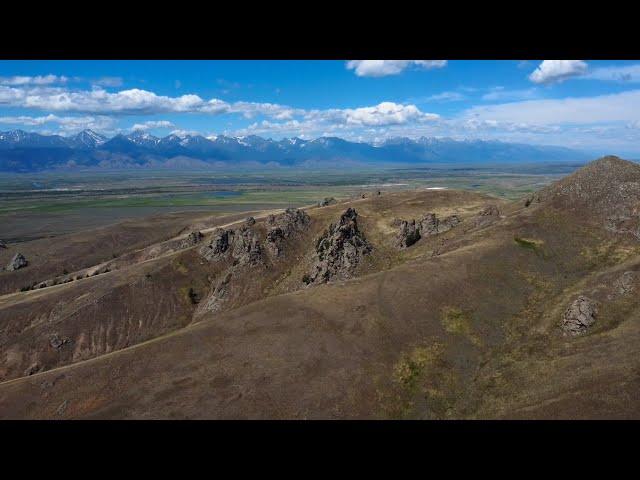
[467,322]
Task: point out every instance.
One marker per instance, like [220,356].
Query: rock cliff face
[408,234]
[339,250]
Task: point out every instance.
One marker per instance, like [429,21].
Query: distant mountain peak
[89,138]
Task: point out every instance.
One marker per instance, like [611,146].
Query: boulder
[3,244]
[579,316]
[408,234]
[17,262]
[338,251]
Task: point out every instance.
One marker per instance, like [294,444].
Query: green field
[35,205]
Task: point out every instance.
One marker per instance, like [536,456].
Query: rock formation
[429,224]
[3,244]
[487,216]
[625,284]
[246,247]
[339,250]
[218,245]
[283,226]
[327,201]
[448,223]
[580,316]
[18,261]
[490,210]
[214,302]
[408,234]
[192,239]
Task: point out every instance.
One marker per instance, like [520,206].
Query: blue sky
[586,104]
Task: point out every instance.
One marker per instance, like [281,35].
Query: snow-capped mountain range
[22,151]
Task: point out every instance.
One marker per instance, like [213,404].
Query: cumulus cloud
[382,68]
[555,71]
[37,80]
[386,113]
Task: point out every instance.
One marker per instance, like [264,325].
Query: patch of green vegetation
[609,253]
[533,245]
[457,322]
[411,366]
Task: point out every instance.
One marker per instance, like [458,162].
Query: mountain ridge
[22,151]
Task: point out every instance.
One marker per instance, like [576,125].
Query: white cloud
[627,73]
[446,97]
[555,71]
[386,113]
[153,124]
[502,94]
[619,107]
[37,80]
[66,124]
[108,82]
[382,68]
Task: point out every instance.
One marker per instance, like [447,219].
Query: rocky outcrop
[246,247]
[408,234]
[625,284]
[3,244]
[487,216]
[250,221]
[218,245]
[579,317]
[192,239]
[490,211]
[17,262]
[215,300]
[283,226]
[327,201]
[56,342]
[448,223]
[338,251]
[429,224]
